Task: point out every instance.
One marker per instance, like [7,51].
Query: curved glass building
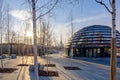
[92,41]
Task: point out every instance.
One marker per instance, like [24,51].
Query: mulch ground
[7,70]
[50,65]
[23,65]
[48,73]
[71,68]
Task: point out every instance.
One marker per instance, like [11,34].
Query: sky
[84,13]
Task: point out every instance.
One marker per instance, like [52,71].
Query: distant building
[92,41]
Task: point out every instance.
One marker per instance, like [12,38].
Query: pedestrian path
[89,70]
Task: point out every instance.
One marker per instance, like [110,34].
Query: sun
[29,34]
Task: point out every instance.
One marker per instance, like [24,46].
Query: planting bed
[7,70]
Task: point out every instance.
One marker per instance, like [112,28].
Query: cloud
[20,14]
[64,28]
[59,30]
[86,19]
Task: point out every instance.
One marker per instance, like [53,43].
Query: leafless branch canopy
[43,5]
[110,3]
[47,7]
[50,9]
[102,3]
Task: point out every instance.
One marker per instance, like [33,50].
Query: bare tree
[72,24]
[12,39]
[39,37]
[72,30]
[43,36]
[8,30]
[54,40]
[25,41]
[34,18]
[112,11]
[1,2]
[34,39]
[48,40]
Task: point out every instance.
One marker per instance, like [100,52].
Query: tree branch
[43,5]
[110,3]
[29,2]
[48,10]
[101,2]
[36,1]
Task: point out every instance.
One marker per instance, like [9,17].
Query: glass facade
[92,41]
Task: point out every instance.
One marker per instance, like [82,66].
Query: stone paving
[89,70]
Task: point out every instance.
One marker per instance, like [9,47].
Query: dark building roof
[94,36]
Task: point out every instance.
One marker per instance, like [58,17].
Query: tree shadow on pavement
[103,60]
[31,73]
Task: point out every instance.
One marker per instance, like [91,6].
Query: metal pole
[34,39]
[113,43]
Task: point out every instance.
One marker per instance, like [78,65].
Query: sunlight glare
[29,34]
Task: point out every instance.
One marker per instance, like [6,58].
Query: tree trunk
[1,51]
[113,43]
[34,38]
[1,32]
[8,30]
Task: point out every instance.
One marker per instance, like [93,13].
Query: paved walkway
[89,70]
